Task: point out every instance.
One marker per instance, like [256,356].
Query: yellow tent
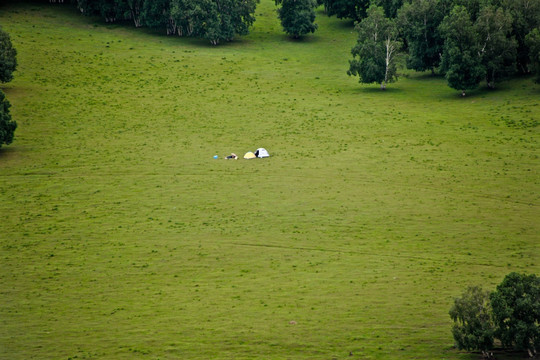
[249,155]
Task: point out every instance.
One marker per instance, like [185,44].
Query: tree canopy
[375,52]
[533,42]
[498,47]
[468,41]
[473,328]
[213,20]
[297,16]
[510,314]
[516,312]
[8,57]
[346,9]
[7,126]
[461,60]
[8,64]
[419,22]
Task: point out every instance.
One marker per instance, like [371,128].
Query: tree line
[508,317]
[214,20]
[467,41]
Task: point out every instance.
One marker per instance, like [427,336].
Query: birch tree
[374,55]
[135,8]
[498,47]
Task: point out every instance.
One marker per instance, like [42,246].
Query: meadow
[122,238]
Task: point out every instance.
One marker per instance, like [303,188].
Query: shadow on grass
[481,92]
[375,90]
[7,151]
[421,76]
[302,40]
[333,22]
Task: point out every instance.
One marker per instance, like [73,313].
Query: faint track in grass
[412,257]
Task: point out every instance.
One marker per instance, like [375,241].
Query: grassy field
[121,237]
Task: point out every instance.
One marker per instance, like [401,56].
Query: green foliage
[157,14]
[498,48]
[516,311]
[8,57]
[473,6]
[134,10]
[390,7]
[533,42]
[347,9]
[297,16]
[511,314]
[461,60]
[109,10]
[374,55]
[7,126]
[418,22]
[8,64]
[473,328]
[525,17]
[214,20]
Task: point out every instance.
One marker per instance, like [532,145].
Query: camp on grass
[361,217]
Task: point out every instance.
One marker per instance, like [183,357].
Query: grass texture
[122,238]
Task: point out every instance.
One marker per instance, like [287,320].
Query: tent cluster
[259,153]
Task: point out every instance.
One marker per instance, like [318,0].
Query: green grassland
[121,237]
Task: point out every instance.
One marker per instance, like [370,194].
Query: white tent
[261,153]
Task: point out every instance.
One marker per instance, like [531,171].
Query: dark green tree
[109,10]
[374,55]
[7,126]
[347,9]
[184,14]
[390,7]
[461,60]
[213,20]
[157,14]
[297,16]
[473,328]
[112,10]
[8,57]
[516,312]
[473,6]
[533,42]
[134,11]
[419,24]
[498,47]
[525,17]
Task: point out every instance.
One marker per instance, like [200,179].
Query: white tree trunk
[390,49]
